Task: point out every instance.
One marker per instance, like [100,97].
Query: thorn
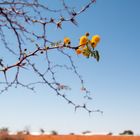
[51,20]
[5,76]
[62,18]
[69,102]
[59,25]
[73,13]
[84,106]
[73,21]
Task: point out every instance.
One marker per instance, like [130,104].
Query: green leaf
[97,55]
[91,54]
[94,54]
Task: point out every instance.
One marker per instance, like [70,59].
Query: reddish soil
[78,137]
[68,137]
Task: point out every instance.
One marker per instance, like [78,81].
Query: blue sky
[114,82]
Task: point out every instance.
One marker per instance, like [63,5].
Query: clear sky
[114,81]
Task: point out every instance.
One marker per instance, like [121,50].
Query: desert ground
[78,137]
[72,137]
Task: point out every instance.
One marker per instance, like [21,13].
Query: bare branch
[27,23]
